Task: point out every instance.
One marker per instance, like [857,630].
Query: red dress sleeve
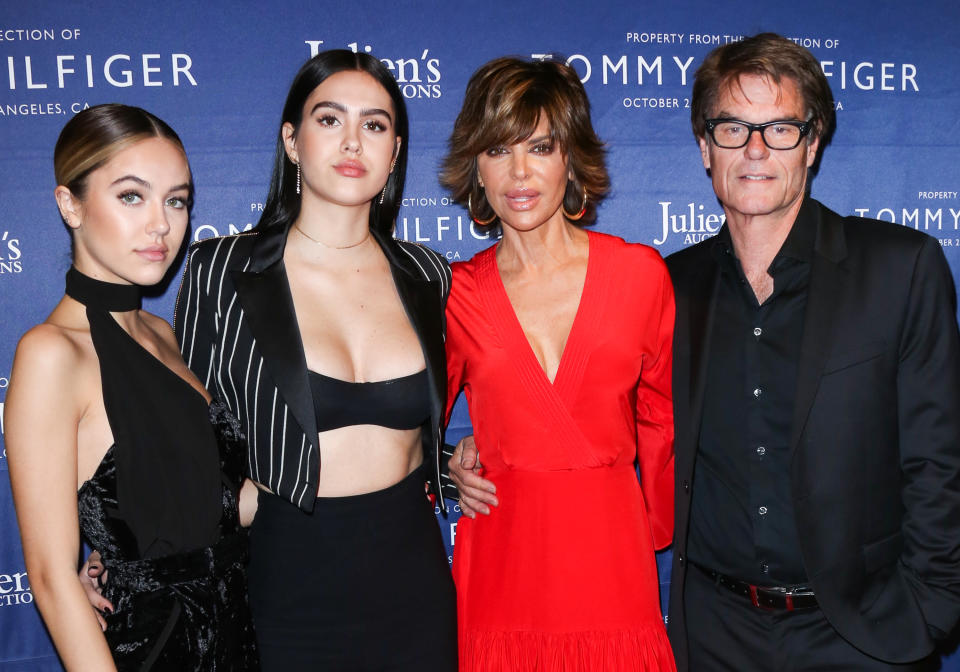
[655,420]
[456,331]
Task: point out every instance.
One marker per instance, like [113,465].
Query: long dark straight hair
[283,202]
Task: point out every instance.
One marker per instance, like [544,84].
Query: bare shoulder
[50,362]
[51,347]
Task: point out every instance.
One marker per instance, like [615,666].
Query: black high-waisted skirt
[362,583]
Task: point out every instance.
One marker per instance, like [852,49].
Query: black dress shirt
[742,519]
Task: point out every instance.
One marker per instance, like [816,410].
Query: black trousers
[726,632]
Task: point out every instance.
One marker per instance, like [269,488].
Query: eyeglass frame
[804,127]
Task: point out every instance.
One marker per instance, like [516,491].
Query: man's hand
[477,494]
[92,577]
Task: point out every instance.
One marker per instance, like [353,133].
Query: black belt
[764,597]
[208,563]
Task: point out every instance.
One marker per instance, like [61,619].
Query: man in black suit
[817,401]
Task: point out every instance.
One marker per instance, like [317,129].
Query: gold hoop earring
[583,209]
[470,212]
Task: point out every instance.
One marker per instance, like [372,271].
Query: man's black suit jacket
[875,441]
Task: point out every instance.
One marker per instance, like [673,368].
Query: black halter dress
[162,507]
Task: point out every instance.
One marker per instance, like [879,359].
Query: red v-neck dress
[561,575]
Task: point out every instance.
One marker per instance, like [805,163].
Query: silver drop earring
[298,178]
[383,193]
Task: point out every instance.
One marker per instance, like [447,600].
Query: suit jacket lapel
[703,301]
[421,300]
[268,309]
[827,281]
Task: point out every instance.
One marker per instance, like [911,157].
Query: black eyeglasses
[781,134]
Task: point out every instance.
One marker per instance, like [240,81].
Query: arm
[655,419]
[42,455]
[928,399]
[476,494]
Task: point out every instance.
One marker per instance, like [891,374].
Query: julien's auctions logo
[15,590]
[10,254]
[418,75]
[693,221]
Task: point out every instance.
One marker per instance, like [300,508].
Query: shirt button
[761,451]
[762,510]
[757,331]
[757,392]
[686,486]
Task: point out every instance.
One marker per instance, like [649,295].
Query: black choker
[108,296]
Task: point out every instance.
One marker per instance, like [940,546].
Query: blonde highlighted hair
[98,133]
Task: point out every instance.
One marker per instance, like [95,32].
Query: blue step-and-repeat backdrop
[218,72]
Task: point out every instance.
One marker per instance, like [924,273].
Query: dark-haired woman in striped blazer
[324,335]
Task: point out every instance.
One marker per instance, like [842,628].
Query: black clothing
[727,633]
[237,330]
[741,518]
[874,447]
[398,403]
[162,510]
[379,596]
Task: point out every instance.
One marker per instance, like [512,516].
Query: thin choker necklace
[108,296]
[332,247]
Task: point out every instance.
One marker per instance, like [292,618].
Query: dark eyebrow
[543,138]
[328,103]
[340,108]
[726,115]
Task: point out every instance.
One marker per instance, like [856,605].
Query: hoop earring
[583,209]
[298,177]
[470,212]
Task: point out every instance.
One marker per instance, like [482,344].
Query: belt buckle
[771,591]
[795,592]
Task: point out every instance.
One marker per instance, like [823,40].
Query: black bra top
[398,403]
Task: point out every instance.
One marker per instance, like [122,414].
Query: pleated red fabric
[561,576]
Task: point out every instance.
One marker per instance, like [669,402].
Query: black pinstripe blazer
[237,329]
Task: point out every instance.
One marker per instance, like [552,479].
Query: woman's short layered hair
[503,105]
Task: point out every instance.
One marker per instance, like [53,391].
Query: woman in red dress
[561,339]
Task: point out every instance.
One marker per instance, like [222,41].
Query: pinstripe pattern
[218,344]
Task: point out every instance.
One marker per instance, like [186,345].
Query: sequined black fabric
[185,611]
